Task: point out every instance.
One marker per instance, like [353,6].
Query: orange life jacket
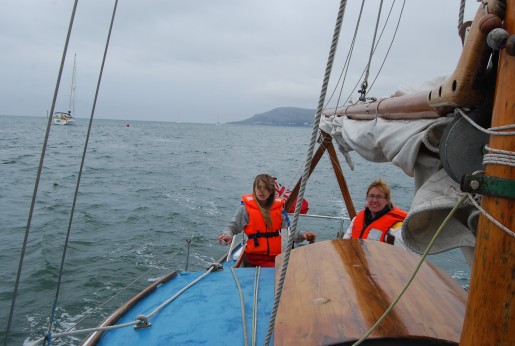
[377,229]
[263,241]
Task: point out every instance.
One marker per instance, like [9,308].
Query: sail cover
[412,145]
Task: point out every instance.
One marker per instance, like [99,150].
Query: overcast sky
[204,61]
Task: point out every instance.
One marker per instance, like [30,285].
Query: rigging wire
[384,59]
[391,43]
[364,85]
[309,158]
[38,176]
[123,289]
[346,65]
[347,60]
[61,270]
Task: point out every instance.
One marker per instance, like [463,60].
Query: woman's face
[376,200]
[261,191]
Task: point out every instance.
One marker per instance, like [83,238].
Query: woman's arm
[235,226]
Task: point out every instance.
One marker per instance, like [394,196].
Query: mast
[71,106]
[490,315]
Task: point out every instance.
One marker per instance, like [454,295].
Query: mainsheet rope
[309,158]
[408,283]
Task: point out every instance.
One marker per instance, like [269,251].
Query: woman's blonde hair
[381,185]
[269,183]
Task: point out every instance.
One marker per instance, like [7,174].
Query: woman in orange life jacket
[261,216]
[380,220]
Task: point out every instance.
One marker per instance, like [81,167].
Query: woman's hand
[310,236]
[227,239]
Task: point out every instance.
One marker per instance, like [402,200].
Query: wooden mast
[490,315]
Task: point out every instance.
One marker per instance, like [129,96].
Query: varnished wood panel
[336,290]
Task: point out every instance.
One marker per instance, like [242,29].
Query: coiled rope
[307,165]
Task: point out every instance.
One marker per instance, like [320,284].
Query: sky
[208,61]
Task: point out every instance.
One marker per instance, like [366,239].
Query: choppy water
[145,191]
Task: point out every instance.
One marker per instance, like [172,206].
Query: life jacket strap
[259,234]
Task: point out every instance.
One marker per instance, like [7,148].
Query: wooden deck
[336,298]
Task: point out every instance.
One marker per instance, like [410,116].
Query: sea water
[146,192]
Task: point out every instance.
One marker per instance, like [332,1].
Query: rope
[255,306]
[122,290]
[495,156]
[499,157]
[169,300]
[491,218]
[399,296]
[140,319]
[243,316]
[462,13]
[494,131]
[61,270]
[307,164]
[38,176]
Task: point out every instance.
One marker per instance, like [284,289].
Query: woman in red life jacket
[380,220]
[260,216]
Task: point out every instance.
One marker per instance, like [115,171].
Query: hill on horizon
[281,116]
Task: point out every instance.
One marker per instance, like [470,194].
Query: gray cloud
[199,61]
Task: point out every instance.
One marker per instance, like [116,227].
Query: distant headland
[281,116]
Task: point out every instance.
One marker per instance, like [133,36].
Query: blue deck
[209,313]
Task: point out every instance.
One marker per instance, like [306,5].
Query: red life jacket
[378,228]
[263,241]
